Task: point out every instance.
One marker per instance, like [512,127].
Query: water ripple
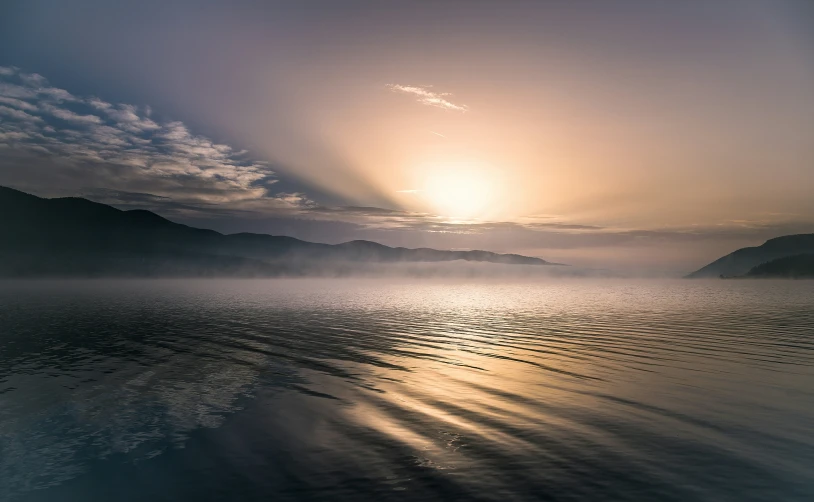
[360,390]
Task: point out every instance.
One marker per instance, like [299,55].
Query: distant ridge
[799,266]
[77,237]
[743,260]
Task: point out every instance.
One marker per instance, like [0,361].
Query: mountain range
[76,237]
[779,257]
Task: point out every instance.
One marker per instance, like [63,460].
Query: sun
[459,193]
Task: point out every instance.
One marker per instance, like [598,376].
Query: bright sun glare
[459,193]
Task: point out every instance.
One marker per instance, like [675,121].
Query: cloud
[427,97]
[18,114]
[296,199]
[99,104]
[561,226]
[395,226]
[49,135]
[162,205]
[18,103]
[360,210]
[64,114]
[15,91]
[33,79]
[127,117]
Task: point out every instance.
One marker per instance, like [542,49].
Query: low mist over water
[330,389]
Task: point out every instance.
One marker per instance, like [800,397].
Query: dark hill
[743,260]
[791,267]
[78,237]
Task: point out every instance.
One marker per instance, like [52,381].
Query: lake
[372,389]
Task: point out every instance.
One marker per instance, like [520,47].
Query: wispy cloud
[48,133]
[427,97]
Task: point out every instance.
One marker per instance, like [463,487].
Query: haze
[628,134]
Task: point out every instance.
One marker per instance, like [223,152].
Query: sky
[639,135]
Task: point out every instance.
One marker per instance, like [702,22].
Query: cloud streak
[427,97]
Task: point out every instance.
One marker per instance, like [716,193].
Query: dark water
[373,390]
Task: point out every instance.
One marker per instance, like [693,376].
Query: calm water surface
[363,390]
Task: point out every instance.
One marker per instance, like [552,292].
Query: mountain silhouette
[799,266]
[77,237]
[743,260]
